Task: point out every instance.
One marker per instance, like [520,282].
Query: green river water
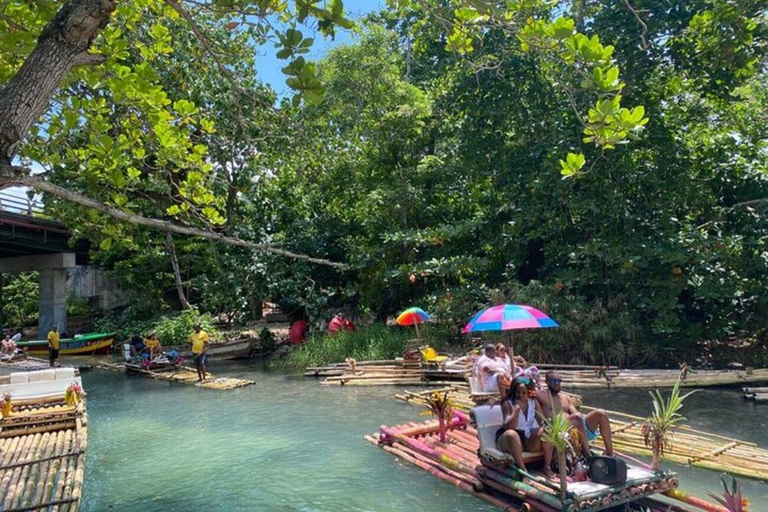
[289,444]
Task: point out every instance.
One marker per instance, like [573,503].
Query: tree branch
[41,185]
[89,59]
[636,14]
[747,204]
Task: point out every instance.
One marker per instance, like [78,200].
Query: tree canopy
[605,161]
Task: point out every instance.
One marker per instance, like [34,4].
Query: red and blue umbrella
[506,317]
[413,316]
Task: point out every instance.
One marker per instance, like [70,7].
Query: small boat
[231,349]
[81,344]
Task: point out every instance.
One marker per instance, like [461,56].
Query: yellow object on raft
[429,355]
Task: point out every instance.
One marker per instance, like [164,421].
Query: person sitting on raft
[589,426]
[153,345]
[489,369]
[521,430]
[138,348]
[8,345]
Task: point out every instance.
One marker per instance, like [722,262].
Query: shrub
[373,342]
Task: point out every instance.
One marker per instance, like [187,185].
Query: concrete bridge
[32,243]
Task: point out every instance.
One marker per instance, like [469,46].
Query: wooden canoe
[84,345]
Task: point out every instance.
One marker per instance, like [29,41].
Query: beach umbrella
[414,317]
[507,317]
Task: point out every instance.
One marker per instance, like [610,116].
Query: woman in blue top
[521,430]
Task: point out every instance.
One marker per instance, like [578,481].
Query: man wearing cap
[199,340]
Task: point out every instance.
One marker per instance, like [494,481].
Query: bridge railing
[19,204]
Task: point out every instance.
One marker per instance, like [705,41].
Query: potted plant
[557,432]
[440,404]
[658,429]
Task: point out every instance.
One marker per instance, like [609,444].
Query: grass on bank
[369,343]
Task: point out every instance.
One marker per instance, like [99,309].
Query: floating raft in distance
[613,378]
[456,461]
[397,372]
[42,453]
[182,374]
[25,363]
[689,446]
[756,394]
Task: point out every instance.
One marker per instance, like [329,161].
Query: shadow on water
[289,444]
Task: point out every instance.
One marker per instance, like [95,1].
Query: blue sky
[268,66]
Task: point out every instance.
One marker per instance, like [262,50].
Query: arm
[510,414]
[568,406]
[539,412]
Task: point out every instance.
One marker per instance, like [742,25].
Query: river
[289,444]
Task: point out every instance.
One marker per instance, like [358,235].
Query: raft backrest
[489,419]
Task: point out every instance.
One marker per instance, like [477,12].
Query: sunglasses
[555,381]
[524,380]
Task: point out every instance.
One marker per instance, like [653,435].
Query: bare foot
[549,474]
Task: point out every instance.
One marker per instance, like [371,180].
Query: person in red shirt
[298,332]
[339,323]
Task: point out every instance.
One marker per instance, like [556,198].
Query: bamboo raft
[42,455]
[614,378]
[397,372]
[756,394]
[181,374]
[689,446]
[25,363]
[388,373]
[457,462]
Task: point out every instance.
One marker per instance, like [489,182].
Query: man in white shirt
[488,369]
[17,337]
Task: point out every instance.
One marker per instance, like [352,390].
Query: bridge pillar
[53,301]
[53,285]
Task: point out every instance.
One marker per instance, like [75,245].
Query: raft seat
[430,356]
[40,384]
[476,392]
[489,419]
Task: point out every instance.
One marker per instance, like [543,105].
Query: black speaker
[607,470]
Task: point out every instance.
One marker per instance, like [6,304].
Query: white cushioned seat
[489,419]
[19,377]
[42,375]
[65,373]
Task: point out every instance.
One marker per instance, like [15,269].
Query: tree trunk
[63,44]
[656,459]
[441,420]
[176,272]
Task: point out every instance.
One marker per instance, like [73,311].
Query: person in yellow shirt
[153,345]
[53,345]
[199,341]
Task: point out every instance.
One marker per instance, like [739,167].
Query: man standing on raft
[199,340]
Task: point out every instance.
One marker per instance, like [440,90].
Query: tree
[67,32]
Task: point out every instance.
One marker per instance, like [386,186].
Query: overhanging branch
[41,185]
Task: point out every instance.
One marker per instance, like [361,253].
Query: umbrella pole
[512,356]
[416,325]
